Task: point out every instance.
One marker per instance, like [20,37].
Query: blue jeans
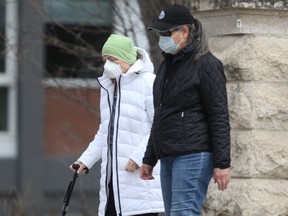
[184,182]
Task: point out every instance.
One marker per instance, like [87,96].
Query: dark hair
[197,35]
[139,56]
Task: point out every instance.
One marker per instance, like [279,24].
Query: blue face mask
[167,45]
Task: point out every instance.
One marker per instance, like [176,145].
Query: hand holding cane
[70,188]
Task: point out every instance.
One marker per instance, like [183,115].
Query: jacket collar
[189,49]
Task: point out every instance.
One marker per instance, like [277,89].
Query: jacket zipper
[116,147]
[183,126]
[110,144]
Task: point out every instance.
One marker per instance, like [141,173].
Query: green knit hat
[120,47]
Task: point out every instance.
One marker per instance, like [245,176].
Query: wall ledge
[233,21]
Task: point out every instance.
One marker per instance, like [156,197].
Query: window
[75,33]
[2,37]
[8,146]
[3,109]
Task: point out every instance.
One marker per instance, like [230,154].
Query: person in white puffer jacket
[126,110]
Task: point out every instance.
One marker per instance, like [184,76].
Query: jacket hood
[143,64]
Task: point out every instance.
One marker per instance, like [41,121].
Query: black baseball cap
[171,16]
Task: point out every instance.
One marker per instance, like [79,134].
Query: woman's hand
[131,166]
[146,172]
[82,167]
[222,178]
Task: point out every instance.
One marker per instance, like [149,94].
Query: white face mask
[167,45]
[112,70]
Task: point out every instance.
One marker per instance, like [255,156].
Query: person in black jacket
[191,131]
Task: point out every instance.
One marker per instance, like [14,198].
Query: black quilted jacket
[191,111]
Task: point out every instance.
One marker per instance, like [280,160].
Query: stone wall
[251,39]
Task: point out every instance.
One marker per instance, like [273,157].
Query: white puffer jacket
[126,109]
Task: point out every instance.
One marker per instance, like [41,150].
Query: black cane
[70,188]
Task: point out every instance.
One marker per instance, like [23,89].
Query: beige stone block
[240,105]
[252,58]
[259,153]
[269,154]
[241,153]
[248,197]
[270,105]
[258,105]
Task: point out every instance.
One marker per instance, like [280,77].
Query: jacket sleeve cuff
[149,162]
[222,166]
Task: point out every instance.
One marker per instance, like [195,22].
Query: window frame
[8,79]
[52,17]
